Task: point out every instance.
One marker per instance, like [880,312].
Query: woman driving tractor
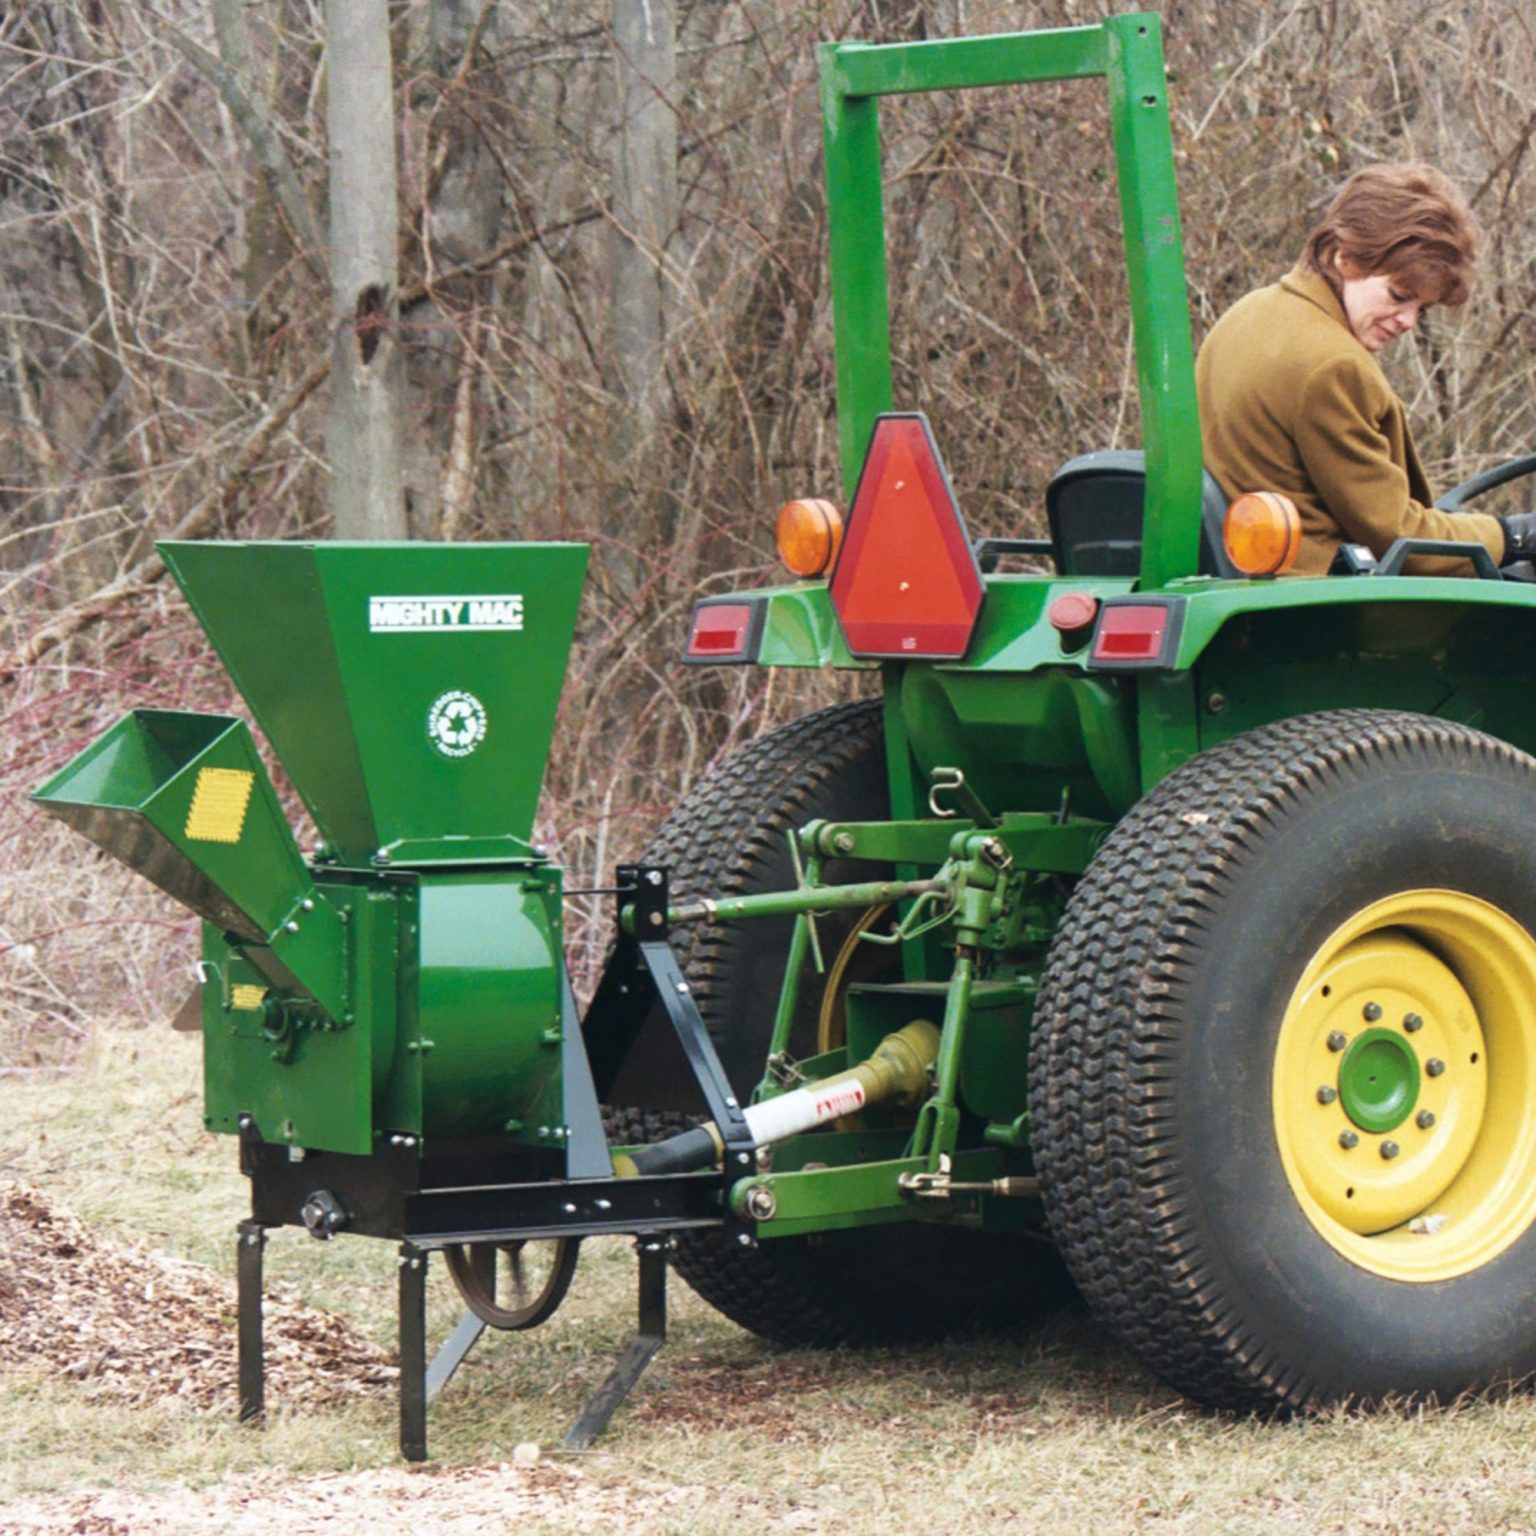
[1292,398]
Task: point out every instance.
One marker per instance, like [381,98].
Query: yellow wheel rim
[1404,1090]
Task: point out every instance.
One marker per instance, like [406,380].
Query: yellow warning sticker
[247,997]
[219,800]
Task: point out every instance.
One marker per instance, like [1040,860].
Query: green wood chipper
[1160,924]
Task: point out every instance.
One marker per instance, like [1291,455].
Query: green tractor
[1163,924]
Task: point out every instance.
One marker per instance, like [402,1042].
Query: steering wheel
[1458,496]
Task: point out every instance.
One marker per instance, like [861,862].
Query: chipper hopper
[1159,920]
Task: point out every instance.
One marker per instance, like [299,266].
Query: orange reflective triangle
[906,583]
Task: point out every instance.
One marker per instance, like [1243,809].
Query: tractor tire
[1283,1075]
[728,837]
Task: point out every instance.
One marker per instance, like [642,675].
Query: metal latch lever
[941,1185]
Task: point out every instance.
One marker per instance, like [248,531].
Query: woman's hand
[1519,537]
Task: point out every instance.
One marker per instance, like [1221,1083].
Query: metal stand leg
[637,1354]
[413,1352]
[450,1357]
[252,1373]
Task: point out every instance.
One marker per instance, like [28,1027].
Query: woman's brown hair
[1407,220]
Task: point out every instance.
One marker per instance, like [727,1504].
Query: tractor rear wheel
[1283,1076]
[728,837]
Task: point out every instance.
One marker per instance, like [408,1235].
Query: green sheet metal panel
[409,689]
[311,1089]
[1209,604]
[488,1003]
[801,630]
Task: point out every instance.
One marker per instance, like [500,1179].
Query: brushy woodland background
[164,338]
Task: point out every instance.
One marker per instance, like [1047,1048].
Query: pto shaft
[896,1074]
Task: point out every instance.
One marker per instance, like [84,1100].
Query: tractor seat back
[1094,506]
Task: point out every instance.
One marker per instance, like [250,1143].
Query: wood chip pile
[138,1327]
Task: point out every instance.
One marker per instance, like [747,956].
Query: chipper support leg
[248,1310]
[252,1372]
[413,1352]
[649,1337]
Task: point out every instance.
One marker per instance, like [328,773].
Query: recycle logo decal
[456,723]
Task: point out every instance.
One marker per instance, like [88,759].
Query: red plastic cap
[1071,615]
[907,582]
[1131,633]
[720,632]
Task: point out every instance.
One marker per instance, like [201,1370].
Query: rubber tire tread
[1126,1210]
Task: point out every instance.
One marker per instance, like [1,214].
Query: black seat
[1094,506]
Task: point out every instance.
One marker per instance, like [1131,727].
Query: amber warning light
[808,536]
[1262,533]
[907,583]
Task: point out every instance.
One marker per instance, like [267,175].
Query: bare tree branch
[257,127]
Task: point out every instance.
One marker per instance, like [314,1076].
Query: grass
[1053,1428]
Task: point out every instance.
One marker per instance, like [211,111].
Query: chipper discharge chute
[1160,921]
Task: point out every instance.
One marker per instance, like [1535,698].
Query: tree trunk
[645,206]
[270,234]
[460,219]
[362,436]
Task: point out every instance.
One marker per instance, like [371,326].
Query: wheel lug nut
[1337,1040]
[1326,1095]
[1424,1119]
[1372,1012]
[1348,1139]
[1412,1023]
[1390,1149]
[1434,1066]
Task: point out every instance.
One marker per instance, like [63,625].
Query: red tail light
[1137,632]
[907,583]
[724,630]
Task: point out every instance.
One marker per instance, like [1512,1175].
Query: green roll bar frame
[1126,52]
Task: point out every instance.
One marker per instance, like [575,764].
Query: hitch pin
[206,971]
[944,781]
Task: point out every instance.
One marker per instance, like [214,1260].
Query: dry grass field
[128,195]
[1050,1430]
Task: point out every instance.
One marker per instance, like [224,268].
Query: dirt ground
[126,1325]
[439,1501]
[117,1390]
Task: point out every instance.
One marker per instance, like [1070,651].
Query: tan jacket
[1290,401]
